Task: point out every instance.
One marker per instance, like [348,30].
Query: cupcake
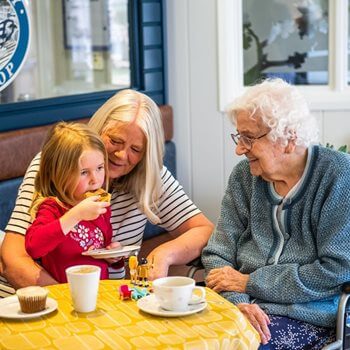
[32,299]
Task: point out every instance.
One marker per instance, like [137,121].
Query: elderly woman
[280,250]
[142,188]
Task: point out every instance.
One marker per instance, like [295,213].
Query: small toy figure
[125,292]
[133,265]
[142,273]
[138,293]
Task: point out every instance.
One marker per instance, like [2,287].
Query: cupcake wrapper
[32,304]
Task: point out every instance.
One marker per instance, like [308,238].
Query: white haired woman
[142,188]
[280,248]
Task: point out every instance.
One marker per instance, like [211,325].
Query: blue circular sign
[14,39]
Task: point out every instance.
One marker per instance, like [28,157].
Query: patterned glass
[287,39]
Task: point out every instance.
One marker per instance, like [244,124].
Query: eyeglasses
[247,142]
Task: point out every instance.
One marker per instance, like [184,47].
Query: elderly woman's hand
[258,318]
[227,279]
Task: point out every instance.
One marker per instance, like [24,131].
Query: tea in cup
[176,293]
[83,283]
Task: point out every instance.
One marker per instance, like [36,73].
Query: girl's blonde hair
[144,181]
[59,172]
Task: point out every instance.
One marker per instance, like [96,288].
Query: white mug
[176,293]
[83,283]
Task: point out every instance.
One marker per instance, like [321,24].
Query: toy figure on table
[138,277]
[125,292]
[133,265]
[134,293]
[138,293]
[143,273]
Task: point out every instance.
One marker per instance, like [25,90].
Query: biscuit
[104,196]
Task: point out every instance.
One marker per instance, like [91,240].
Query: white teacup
[83,284]
[176,293]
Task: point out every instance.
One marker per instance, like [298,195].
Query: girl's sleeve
[45,233]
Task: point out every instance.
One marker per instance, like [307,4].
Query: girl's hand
[90,208]
[114,245]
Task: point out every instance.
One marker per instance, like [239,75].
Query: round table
[119,324]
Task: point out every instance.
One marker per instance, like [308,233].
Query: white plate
[112,253]
[9,308]
[150,305]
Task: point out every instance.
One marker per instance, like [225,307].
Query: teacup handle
[200,299]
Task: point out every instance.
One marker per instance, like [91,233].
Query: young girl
[66,223]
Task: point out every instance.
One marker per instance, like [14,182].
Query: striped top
[128,222]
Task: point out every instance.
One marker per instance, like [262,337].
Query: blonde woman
[142,188]
[67,223]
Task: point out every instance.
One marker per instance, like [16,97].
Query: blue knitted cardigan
[295,271]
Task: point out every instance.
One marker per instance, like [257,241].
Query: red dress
[45,239]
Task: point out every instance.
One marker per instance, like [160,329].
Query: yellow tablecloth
[120,325]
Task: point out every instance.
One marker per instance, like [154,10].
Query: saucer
[112,253]
[150,305]
[9,308]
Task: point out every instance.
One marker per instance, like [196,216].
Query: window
[81,53]
[303,41]
[76,46]
[285,39]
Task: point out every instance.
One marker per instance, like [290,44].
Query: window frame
[150,81]
[334,96]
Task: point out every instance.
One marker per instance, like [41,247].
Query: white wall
[205,153]
[192,91]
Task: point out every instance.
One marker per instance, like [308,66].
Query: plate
[150,305]
[9,308]
[112,253]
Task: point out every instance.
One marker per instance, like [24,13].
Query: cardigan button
[271,261]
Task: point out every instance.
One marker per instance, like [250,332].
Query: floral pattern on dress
[87,238]
[291,334]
